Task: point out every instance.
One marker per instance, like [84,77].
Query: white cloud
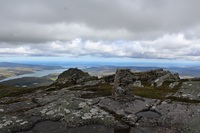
[174,46]
[19,51]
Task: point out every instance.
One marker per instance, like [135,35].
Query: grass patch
[102,89]
[9,91]
[149,91]
[181,99]
[13,100]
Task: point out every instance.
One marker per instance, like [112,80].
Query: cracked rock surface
[68,108]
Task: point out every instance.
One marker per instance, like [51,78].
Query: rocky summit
[141,102]
[72,77]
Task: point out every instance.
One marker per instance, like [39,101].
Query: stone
[19,120]
[172,85]
[82,104]
[86,116]
[8,123]
[137,83]
[43,111]
[50,113]
[94,111]
[67,111]
[122,85]
[25,122]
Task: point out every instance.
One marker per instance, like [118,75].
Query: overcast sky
[149,29]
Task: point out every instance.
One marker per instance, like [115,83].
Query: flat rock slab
[57,127]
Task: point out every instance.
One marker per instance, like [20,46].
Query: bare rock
[137,83]
[172,85]
[122,85]
[167,76]
[72,76]
[189,90]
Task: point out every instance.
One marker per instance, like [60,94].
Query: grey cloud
[142,19]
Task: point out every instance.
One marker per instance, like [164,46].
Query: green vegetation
[149,91]
[8,91]
[52,76]
[13,100]
[160,92]
[181,99]
[102,89]
[28,82]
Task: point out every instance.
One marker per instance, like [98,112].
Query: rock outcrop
[154,75]
[189,90]
[109,78]
[164,76]
[123,83]
[73,76]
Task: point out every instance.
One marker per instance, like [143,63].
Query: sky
[100,29]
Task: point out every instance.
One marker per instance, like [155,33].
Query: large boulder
[123,83]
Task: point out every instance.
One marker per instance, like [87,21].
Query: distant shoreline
[39,73]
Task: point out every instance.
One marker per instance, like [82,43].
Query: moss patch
[102,89]
[13,100]
[149,91]
[181,99]
[9,91]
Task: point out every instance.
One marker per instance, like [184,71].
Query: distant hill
[30,82]
[186,71]
[105,70]
[11,65]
